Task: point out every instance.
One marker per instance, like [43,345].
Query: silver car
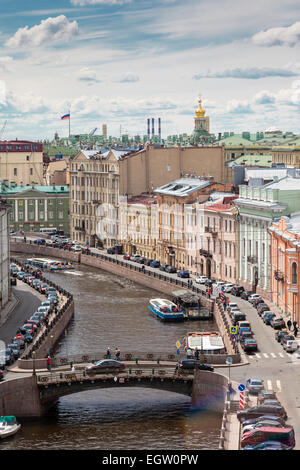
[255,385]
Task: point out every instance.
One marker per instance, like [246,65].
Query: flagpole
[70,124]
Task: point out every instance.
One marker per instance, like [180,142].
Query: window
[50,214]
[60,215]
[15,171]
[294,273]
[31,171]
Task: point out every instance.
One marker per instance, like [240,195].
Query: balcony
[205,253]
[279,276]
[211,230]
[80,229]
[252,259]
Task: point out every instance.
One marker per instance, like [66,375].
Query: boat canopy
[8,419]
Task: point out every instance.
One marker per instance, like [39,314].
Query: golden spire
[200,112]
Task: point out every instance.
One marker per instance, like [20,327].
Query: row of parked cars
[245,334]
[153,263]
[263,426]
[59,241]
[29,329]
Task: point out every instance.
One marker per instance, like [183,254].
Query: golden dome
[200,112]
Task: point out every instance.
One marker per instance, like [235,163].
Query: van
[269,433]
[290,345]
[237,317]
[244,324]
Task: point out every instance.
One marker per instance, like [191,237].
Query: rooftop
[182,187]
[10,190]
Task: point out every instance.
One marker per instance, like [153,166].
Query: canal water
[111,311]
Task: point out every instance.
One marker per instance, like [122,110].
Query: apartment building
[4,255]
[21,162]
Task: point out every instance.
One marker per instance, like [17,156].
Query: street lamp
[33,366]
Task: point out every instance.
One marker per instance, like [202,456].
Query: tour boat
[206,342]
[49,264]
[165,310]
[8,426]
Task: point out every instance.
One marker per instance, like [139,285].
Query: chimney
[148,129]
[152,127]
[159,129]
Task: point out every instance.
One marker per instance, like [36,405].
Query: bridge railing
[81,376]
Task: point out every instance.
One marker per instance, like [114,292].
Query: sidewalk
[8,309]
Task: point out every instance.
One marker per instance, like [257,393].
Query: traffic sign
[233,330]
[19,336]
[178,344]
[178,352]
[229,361]
[241,387]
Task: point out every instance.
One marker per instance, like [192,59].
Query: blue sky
[120,62]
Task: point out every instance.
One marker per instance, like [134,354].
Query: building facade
[285,265]
[21,162]
[4,255]
[36,207]
[258,207]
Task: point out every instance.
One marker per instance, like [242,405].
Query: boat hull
[9,432]
[167,317]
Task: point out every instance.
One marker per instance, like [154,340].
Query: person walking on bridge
[108,354]
[117,354]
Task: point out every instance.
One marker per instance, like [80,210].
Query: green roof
[44,189]
[252,160]
[236,141]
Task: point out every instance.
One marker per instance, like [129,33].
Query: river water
[111,311]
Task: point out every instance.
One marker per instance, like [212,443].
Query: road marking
[257,355]
[278,385]
[273,355]
[269,385]
[266,355]
[281,354]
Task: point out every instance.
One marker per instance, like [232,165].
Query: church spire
[200,112]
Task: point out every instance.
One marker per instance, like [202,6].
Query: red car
[126,256]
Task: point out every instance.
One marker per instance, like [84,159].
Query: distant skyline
[119,62]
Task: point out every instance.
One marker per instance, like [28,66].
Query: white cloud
[49,31]
[129,78]
[5,63]
[264,97]
[88,75]
[99,2]
[283,36]
[248,73]
[239,107]
[2,93]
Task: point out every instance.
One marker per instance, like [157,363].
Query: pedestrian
[108,354]
[189,353]
[49,363]
[289,324]
[117,354]
[295,331]
[196,353]
[143,268]
[294,324]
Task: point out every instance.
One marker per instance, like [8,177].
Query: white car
[255,385]
[218,284]
[76,248]
[201,279]
[290,346]
[228,287]
[253,297]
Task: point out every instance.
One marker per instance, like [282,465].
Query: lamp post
[33,366]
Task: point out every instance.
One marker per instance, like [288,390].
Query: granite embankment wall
[209,391]
[20,397]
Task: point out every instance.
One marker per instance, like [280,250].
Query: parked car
[278,323]
[228,288]
[255,385]
[280,333]
[162,267]
[244,334]
[191,364]
[126,257]
[253,297]
[39,241]
[50,289]
[105,366]
[266,395]
[20,275]
[183,273]
[237,291]
[218,284]
[15,349]
[290,346]
[262,424]
[155,264]
[261,308]
[268,417]
[249,345]
[1,375]
[170,269]
[268,317]
[141,260]
[246,294]
[76,248]
[268,445]
[237,317]
[260,410]
[149,261]
[201,279]
[284,435]
[43,288]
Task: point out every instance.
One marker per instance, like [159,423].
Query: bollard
[153,371]
[158,360]
[136,360]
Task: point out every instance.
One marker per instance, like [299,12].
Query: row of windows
[10,148]
[32,216]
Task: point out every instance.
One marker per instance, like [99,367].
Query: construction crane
[2,129]
[93,131]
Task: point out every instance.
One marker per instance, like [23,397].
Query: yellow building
[21,161]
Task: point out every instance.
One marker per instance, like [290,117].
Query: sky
[119,62]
